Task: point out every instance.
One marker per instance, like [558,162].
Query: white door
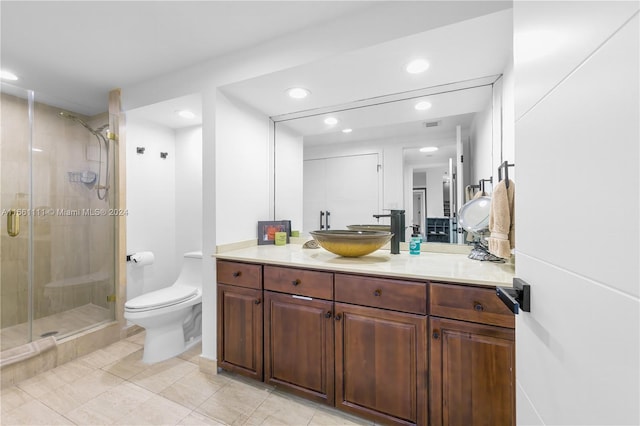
[577,205]
[346,187]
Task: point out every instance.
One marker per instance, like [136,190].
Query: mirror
[370,162]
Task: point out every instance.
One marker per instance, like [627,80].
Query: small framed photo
[267,230]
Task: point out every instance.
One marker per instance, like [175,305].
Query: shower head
[72,117]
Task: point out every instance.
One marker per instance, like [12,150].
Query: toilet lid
[163,297]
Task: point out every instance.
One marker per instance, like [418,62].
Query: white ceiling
[66,51]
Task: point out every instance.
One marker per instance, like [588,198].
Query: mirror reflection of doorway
[419,210]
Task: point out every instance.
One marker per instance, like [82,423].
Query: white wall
[577,206]
[188,207]
[242,170]
[150,205]
[481,147]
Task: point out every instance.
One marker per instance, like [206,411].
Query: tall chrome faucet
[397,228]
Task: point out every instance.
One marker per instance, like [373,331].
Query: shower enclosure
[57,244]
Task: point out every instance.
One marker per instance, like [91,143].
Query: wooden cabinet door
[381,364]
[472,374]
[240,330]
[299,344]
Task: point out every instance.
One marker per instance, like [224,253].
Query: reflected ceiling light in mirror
[331,121]
[36,149]
[186,114]
[298,92]
[8,75]
[429,149]
[422,105]
[417,66]
[347,130]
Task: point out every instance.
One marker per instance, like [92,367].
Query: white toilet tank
[191,272]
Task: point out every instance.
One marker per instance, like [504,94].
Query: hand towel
[501,220]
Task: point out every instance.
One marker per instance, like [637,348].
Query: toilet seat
[162,298]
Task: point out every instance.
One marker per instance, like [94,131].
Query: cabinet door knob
[257,301]
[236,274]
[328,314]
[338,317]
[295,282]
[378,292]
[436,335]
[478,307]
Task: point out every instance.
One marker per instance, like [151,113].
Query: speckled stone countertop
[456,268]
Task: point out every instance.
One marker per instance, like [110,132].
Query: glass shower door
[15,226]
[58,234]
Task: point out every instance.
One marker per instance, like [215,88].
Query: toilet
[171,316]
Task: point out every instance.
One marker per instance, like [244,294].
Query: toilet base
[162,343]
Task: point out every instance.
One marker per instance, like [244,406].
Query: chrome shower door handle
[321,217]
[326,219]
[13,223]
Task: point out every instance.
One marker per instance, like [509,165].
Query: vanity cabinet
[381,354]
[299,332]
[395,351]
[472,357]
[240,311]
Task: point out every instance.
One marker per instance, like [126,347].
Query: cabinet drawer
[240,274]
[299,281]
[405,296]
[469,304]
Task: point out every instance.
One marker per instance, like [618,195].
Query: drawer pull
[338,317]
[436,335]
[257,301]
[377,293]
[236,274]
[328,314]
[478,307]
[295,282]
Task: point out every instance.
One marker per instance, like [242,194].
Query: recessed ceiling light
[298,92]
[429,149]
[347,130]
[417,66]
[422,105]
[186,114]
[8,75]
[36,150]
[330,121]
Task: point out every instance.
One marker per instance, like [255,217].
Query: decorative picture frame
[268,228]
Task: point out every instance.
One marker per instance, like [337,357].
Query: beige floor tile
[193,354]
[13,397]
[72,371]
[156,411]
[112,405]
[194,388]
[234,403]
[331,417]
[73,395]
[41,384]
[33,413]
[281,410]
[195,419]
[128,366]
[160,376]
[137,338]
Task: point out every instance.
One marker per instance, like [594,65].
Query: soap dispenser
[414,244]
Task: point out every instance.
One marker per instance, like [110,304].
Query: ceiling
[65,50]
[74,69]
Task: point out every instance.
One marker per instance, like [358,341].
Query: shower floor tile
[173,392]
[61,324]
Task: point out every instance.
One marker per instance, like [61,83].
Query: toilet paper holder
[142,258]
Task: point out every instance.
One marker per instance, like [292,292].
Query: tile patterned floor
[64,323]
[112,386]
